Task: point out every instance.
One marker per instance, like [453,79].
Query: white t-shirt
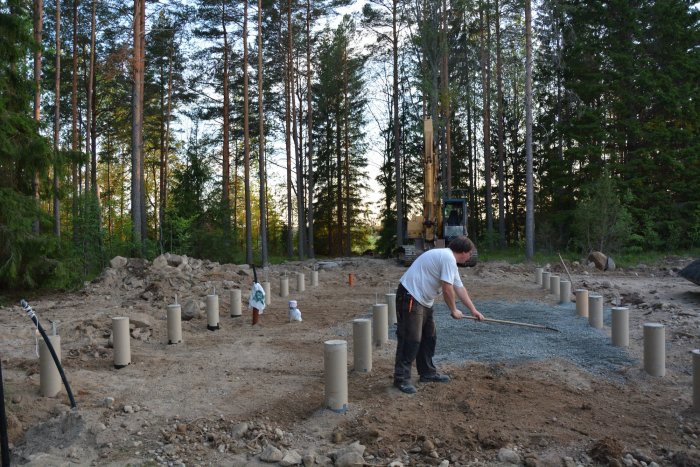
[424,278]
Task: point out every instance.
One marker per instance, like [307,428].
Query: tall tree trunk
[530,192]
[261,144]
[226,169]
[38,24]
[486,84]
[397,125]
[346,147]
[309,129]
[287,124]
[165,148]
[142,191]
[298,158]
[137,129]
[92,127]
[501,133]
[90,176]
[74,119]
[57,124]
[446,111]
[339,179]
[246,142]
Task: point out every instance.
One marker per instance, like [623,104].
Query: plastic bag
[257,297]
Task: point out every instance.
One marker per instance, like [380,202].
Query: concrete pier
[49,377]
[362,345]
[121,341]
[335,363]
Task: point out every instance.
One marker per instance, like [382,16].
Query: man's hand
[478,315]
[456,314]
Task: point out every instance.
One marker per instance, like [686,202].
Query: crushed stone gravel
[589,348]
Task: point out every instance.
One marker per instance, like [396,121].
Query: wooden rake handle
[514,323]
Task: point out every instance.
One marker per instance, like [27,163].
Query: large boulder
[601,261]
[691,272]
[118,262]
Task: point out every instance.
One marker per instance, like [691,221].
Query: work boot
[406,388]
[436,378]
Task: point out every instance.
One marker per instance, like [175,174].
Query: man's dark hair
[461,244]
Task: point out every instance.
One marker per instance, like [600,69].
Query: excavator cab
[454,213]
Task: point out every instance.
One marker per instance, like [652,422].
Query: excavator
[442,219]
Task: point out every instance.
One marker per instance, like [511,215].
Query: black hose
[3,425]
[33,317]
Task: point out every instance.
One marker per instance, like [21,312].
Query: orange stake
[351,279]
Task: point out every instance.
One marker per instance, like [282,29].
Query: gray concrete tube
[212,302]
[554,282]
[564,292]
[121,341]
[595,310]
[654,349]
[314,278]
[545,280]
[538,275]
[335,365]
[301,282]
[362,345]
[696,380]
[49,378]
[284,286]
[620,328]
[268,295]
[174,318]
[380,324]
[582,302]
[235,303]
[391,304]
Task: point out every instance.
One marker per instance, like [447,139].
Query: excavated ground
[246,394]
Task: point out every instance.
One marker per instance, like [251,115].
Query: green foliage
[88,244]
[601,221]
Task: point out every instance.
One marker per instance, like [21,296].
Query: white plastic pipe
[212,301]
[49,377]
[654,349]
[314,278]
[564,292]
[301,284]
[391,304]
[595,311]
[380,324]
[284,286]
[582,302]
[538,276]
[335,363]
[174,324]
[235,303]
[362,345]
[121,341]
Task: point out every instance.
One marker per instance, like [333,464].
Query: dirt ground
[254,395]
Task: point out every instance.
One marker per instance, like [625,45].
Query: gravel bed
[576,341]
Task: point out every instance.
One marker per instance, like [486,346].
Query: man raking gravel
[433,272]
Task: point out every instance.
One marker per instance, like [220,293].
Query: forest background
[135,128]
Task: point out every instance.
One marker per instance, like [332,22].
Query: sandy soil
[227,397]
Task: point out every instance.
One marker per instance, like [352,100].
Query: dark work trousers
[416,337]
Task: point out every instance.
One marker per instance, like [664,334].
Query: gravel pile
[576,341]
